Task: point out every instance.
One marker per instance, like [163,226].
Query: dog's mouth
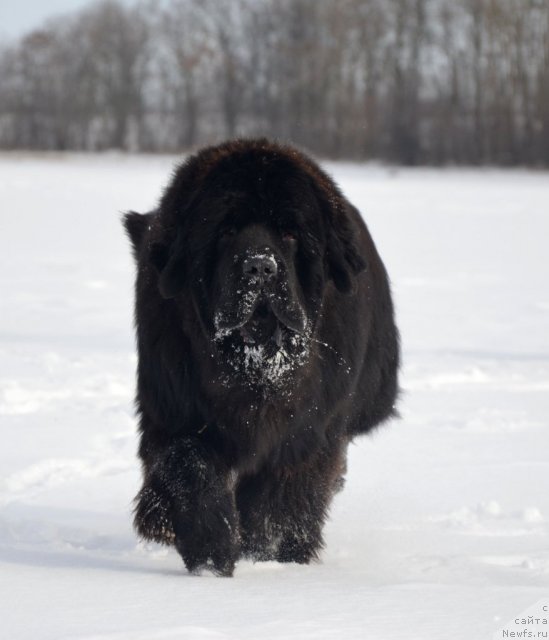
[260,318]
[263,326]
[265,339]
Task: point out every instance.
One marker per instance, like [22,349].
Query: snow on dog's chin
[262,340]
[267,364]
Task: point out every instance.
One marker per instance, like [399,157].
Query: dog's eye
[288,236]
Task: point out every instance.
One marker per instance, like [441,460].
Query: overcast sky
[19,16]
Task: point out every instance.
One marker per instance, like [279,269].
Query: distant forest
[403,81]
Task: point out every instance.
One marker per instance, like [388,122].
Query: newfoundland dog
[266,343]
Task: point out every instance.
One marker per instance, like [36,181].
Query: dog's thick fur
[266,342]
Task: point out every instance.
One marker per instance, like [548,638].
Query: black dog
[266,342]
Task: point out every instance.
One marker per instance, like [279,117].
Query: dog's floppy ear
[167,259]
[342,254]
[136,224]
[343,258]
[171,264]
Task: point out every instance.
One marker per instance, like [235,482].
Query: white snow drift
[442,529]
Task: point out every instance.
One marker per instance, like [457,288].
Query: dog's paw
[152,516]
[299,548]
[206,534]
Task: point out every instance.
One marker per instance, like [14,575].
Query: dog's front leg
[186,496]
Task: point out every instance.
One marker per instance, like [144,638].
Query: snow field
[443,527]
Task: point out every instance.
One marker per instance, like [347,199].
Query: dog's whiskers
[342,360]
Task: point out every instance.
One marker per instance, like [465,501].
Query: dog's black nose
[260,267]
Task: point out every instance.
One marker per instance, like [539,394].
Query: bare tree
[118,39]
[408,81]
[188,50]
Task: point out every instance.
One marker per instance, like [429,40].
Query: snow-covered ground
[443,528]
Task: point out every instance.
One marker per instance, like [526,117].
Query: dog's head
[248,236]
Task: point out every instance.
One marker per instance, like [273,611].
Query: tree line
[406,81]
